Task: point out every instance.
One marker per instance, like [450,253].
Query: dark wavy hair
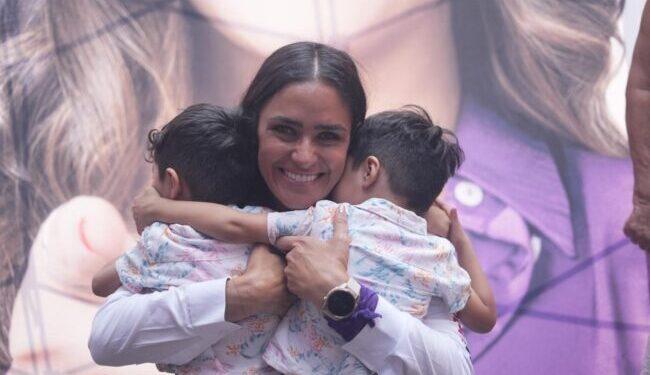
[304,62]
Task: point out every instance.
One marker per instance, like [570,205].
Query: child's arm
[215,220]
[479,314]
[106,281]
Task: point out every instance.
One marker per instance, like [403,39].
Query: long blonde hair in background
[548,64]
[81,83]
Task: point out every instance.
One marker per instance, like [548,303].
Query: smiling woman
[304,133]
[304,102]
[302,106]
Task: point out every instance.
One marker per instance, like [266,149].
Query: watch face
[340,303]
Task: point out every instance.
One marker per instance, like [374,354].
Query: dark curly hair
[206,147]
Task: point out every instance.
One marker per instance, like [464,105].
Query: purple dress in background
[546,219]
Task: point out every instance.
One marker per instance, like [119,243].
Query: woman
[304,101]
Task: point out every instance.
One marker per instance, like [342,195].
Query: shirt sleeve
[153,263]
[290,223]
[402,344]
[452,281]
[172,326]
[130,267]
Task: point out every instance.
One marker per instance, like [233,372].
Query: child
[390,250]
[199,155]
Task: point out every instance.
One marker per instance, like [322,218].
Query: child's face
[350,187]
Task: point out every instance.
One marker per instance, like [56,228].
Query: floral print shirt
[391,253]
[173,255]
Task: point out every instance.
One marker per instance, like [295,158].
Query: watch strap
[365,314]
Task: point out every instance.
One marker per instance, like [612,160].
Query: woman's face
[304,133]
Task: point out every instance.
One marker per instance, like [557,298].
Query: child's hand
[457,234]
[145,208]
[438,222]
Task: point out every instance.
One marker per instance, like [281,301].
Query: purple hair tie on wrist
[365,313]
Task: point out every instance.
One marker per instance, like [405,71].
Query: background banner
[534,90]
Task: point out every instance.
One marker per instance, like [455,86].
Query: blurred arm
[638,127]
[106,281]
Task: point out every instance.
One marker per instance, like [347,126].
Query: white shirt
[176,325]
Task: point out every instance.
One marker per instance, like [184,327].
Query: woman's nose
[304,154]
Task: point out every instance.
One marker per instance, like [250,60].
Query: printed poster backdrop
[534,89]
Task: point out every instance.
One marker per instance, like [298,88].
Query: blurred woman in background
[543,192]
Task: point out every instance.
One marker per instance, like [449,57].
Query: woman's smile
[301,178]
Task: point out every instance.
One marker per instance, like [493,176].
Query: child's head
[202,155]
[399,154]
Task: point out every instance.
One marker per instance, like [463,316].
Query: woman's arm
[215,220]
[158,327]
[399,343]
[176,325]
[106,281]
[479,314]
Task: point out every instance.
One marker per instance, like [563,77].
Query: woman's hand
[260,289]
[145,207]
[314,267]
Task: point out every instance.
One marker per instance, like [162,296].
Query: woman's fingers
[341,226]
[287,243]
[314,266]
[260,256]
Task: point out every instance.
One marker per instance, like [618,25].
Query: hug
[363,283]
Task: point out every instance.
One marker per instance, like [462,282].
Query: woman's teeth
[301,177]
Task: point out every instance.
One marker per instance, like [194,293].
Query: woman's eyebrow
[286,120]
[331,127]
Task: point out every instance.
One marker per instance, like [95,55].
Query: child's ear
[173,183]
[371,169]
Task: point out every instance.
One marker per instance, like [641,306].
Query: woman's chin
[297,202]
[297,195]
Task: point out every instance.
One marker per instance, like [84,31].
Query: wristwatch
[342,300]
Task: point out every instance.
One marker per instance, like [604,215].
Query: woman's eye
[329,136]
[284,131]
